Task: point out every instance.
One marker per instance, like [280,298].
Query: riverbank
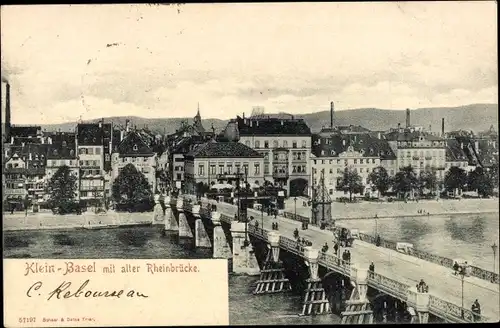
[368,210]
[49,221]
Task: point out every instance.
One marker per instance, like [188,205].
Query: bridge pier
[222,249]
[315,300]
[184,228]
[358,309]
[418,306]
[170,221]
[272,276]
[201,236]
[244,260]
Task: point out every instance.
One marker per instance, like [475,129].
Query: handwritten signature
[64,291]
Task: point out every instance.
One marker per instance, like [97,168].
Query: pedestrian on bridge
[296,233]
[348,256]
[456,267]
[371,268]
[476,309]
[336,248]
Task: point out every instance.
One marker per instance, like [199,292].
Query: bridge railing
[433,258]
[333,262]
[453,312]
[388,285]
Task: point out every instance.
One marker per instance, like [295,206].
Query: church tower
[197,121]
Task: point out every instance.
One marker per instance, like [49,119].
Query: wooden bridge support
[221,249]
[272,276]
[170,221]
[418,306]
[315,300]
[201,236]
[244,260]
[184,228]
[358,308]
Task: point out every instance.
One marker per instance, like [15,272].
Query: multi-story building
[284,143]
[63,153]
[134,150]
[456,156]
[336,153]
[25,173]
[223,163]
[94,145]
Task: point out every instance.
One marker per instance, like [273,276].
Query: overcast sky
[64,62]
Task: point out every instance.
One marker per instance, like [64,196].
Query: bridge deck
[403,268]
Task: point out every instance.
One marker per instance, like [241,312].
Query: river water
[467,237]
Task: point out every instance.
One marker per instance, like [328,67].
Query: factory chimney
[407,117]
[7,111]
[332,110]
[442,127]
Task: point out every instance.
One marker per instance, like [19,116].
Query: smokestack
[442,127]
[407,117]
[7,111]
[127,125]
[332,110]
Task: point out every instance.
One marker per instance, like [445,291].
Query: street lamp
[295,203]
[494,247]
[462,276]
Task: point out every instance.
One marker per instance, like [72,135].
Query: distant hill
[476,117]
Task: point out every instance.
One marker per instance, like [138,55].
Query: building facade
[284,143]
[134,150]
[335,154]
[223,163]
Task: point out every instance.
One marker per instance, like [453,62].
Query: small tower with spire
[197,121]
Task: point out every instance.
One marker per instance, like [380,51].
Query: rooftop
[134,146]
[336,144]
[272,126]
[223,150]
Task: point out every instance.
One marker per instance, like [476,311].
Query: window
[201,169]
[294,144]
[355,161]
[133,159]
[247,143]
[213,170]
[90,151]
[81,163]
[221,169]
[135,148]
[266,168]
[98,151]
[304,144]
[361,170]
[314,162]
[54,163]
[331,170]
[361,161]
[124,159]
[145,158]
[179,176]
[257,169]
[266,144]
[82,151]
[275,144]
[275,157]
[285,144]
[257,144]
[245,169]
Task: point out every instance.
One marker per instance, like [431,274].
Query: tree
[131,190]
[455,179]
[428,180]
[481,181]
[405,181]
[380,179]
[351,182]
[62,190]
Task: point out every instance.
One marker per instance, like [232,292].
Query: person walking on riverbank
[455,268]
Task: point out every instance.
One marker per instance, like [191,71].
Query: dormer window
[135,147]
[333,152]
[64,143]
[55,152]
[72,152]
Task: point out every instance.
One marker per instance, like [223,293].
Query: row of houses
[283,151]
[280,150]
[94,152]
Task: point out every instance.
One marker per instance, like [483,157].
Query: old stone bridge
[327,283]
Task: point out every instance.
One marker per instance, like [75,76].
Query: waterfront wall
[443,261]
[53,221]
